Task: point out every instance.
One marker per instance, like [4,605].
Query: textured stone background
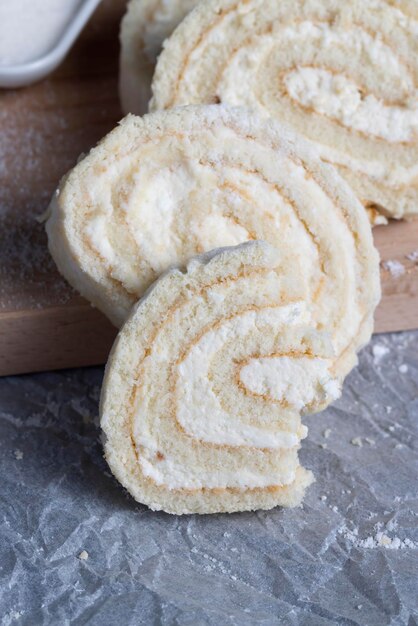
[348,556]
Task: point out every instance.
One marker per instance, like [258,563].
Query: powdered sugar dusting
[41,138]
[25,264]
[380,539]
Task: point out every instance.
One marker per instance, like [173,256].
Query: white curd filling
[173,475]
[332,94]
[298,381]
[341,99]
[148,217]
[198,408]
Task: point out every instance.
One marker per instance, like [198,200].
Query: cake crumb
[357,441]
[83,556]
[379,351]
[323,445]
[323,498]
[12,616]
[412,256]
[379,540]
[18,454]
[395,268]
[383,540]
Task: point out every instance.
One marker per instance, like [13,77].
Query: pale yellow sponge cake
[144,27]
[160,189]
[206,382]
[344,74]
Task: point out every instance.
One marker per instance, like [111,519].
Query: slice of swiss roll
[160,189]
[206,382]
[344,74]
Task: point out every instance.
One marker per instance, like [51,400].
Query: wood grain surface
[43,129]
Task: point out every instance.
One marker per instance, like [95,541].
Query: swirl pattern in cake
[343,74]
[158,190]
[205,385]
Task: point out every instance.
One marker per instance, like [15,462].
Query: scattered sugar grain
[412,256]
[327,432]
[383,539]
[395,268]
[380,540]
[18,454]
[403,368]
[379,351]
[83,556]
[11,616]
[359,442]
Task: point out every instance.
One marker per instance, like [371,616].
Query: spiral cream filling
[340,98]
[343,74]
[297,380]
[206,414]
[199,411]
[327,92]
[160,189]
[186,203]
[194,421]
[159,196]
[173,475]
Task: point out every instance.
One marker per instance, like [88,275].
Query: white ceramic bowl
[27,73]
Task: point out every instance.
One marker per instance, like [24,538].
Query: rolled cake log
[343,74]
[144,27]
[204,387]
[162,188]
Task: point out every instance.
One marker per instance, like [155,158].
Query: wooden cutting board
[43,129]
